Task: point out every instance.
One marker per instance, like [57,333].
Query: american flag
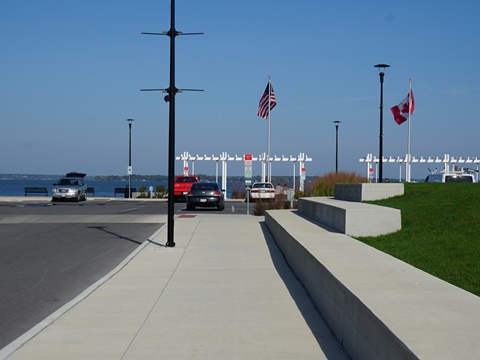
[263,110]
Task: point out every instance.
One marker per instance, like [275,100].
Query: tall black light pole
[171,132]
[170,98]
[381,69]
[129,170]
[336,122]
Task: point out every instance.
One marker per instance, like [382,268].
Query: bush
[238,192]
[278,203]
[325,185]
[142,189]
[161,191]
[299,194]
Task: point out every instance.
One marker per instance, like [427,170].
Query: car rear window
[186,179]
[458,178]
[203,186]
[263,186]
[67,182]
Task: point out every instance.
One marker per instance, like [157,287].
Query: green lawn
[440,231]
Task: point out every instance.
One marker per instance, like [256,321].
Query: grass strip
[440,231]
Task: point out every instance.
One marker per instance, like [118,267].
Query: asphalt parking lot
[109,206]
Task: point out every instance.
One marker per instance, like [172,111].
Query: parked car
[205,194]
[71,186]
[262,191]
[182,184]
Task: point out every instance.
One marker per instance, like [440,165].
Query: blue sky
[71,74]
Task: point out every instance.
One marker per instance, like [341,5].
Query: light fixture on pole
[336,122]
[129,170]
[381,69]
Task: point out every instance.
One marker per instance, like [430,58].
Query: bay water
[103,188]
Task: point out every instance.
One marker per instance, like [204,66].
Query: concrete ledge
[351,218]
[378,307]
[367,192]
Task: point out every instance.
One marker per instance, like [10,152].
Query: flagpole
[408,177]
[269,169]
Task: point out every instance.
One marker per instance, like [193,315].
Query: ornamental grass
[325,185]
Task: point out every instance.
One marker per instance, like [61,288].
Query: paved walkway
[224,292]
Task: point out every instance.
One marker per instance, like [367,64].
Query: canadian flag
[401,111]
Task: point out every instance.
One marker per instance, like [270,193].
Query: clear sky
[71,74]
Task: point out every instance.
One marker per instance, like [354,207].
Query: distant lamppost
[129,170]
[381,69]
[336,122]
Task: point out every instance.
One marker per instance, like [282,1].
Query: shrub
[142,190]
[161,191]
[299,194]
[325,185]
[238,192]
[277,204]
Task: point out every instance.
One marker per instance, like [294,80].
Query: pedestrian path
[223,292]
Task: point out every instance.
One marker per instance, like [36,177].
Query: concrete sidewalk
[224,292]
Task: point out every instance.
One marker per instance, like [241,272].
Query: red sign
[185,168]
[247,157]
[370,170]
[303,170]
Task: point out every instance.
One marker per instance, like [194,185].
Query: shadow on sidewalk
[309,311]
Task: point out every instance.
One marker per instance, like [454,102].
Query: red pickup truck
[182,185]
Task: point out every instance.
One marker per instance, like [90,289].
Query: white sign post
[248,160]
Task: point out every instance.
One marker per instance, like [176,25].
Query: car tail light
[217,193]
[190,193]
[254,191]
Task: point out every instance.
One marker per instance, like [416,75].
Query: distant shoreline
[275,179]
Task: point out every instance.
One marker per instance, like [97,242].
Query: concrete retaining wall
[351,218]
[367,192]
[378,307]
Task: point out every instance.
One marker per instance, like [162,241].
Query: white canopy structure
[224,158]
[447,160]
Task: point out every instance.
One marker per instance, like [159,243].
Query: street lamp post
[336,122]
[129,170]
[381,69]
[170,98]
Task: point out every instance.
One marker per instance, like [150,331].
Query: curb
[34,331]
